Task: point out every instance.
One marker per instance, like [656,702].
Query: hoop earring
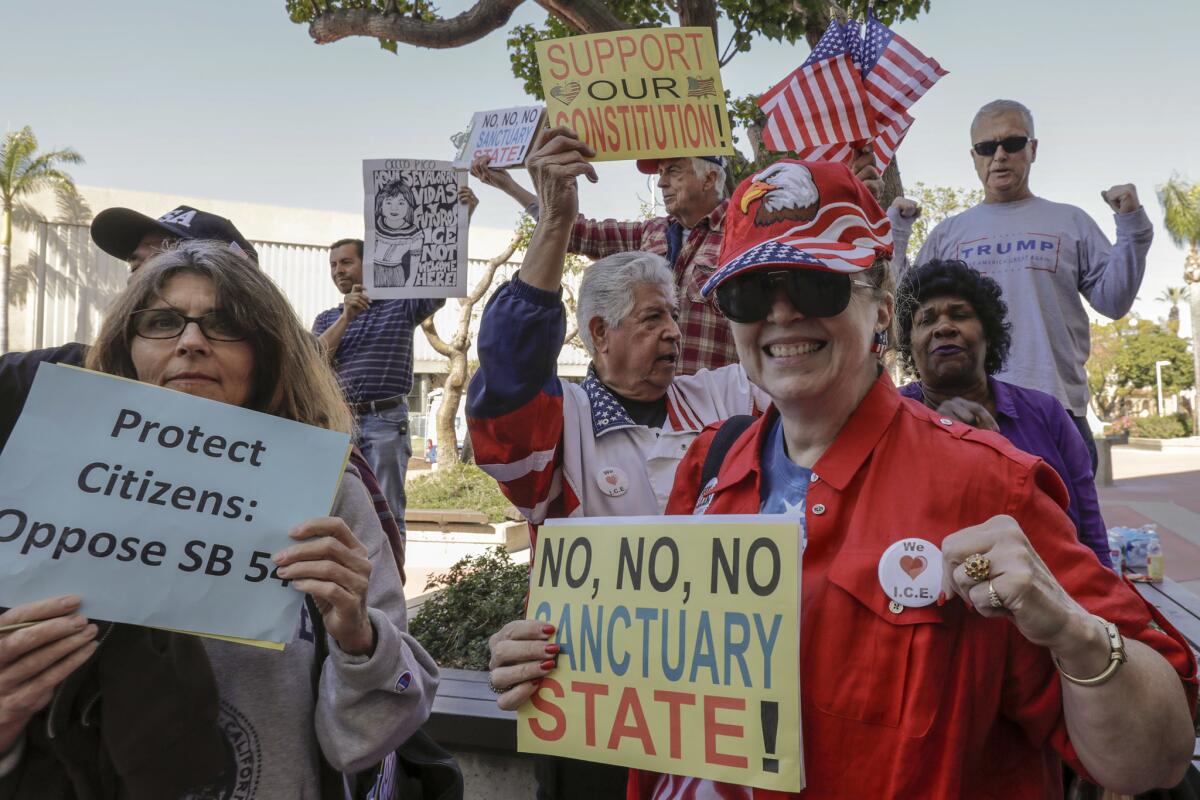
[880,343]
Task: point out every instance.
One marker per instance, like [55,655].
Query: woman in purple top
[954,334]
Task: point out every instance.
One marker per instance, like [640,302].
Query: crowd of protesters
[738,352]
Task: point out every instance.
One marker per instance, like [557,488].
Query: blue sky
[231,100]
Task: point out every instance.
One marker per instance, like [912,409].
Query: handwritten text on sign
[648,93]
[679,645]
[156,507]
[504,134]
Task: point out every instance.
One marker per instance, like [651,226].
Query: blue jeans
[384,441]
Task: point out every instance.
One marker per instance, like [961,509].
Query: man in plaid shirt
[689,237]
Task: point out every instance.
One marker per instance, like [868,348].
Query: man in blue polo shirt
[370,345]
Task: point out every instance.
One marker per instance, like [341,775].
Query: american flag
[823,102]
[894,75]
[700,87]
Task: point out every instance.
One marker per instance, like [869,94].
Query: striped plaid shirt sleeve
[599,238]
[515,400]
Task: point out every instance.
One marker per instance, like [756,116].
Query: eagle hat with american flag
[805,214]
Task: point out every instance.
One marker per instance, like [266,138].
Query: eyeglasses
[167,323]
[814,293]
[1011,144]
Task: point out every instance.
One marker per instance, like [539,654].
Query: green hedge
[479,596]
[1172,426]
[459,486]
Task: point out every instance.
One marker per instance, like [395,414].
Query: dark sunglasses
[167,323]
[1011,144]
[814,293]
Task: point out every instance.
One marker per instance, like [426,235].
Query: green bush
[1169,427]
[458,486]
[480,594]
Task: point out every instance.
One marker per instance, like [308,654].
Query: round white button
[945,421]
[895,607]
[910,573]
[819,509]
[813,478]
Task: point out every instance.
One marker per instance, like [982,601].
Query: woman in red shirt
[978,692]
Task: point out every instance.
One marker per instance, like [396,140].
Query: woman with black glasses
[96,709]
[1022,651]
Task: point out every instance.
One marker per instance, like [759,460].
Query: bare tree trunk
[5,275]
[452,392]
[456,351]
[1191,273]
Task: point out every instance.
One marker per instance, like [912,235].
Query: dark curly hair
[954,279]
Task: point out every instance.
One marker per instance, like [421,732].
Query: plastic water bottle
[1154,561]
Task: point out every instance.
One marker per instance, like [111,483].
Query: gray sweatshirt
[366,708]
[1044,255]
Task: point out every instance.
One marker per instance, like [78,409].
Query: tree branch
[494,263]
[436,341]
[470,26]
[588,16]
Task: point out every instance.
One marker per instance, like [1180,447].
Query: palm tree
[1181,217]
[1173,295]
[23,171]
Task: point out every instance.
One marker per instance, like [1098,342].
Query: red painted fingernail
[941,601]
[548,629]
[548,664]
[551,649]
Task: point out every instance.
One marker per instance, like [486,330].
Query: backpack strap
[726,435]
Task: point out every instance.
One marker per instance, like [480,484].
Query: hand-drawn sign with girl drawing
[416,229]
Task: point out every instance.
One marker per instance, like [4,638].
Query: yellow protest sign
[643,93]
[680,646]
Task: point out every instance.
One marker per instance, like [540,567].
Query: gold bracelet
[1116,658]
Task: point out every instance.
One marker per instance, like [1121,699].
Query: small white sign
[416,229]
[504,134]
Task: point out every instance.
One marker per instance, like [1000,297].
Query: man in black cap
[125,234]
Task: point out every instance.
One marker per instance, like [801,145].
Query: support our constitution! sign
[157,507]
[680,646]
[643,93]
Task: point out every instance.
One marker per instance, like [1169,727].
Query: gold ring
[496,689]
[994,598]
[977,567]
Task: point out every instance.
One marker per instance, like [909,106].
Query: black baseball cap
[117,231]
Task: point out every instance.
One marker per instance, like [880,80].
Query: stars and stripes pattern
[821,103]
[893,75]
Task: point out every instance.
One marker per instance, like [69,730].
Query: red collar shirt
[932,702]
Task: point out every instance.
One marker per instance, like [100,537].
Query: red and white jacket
[560,449]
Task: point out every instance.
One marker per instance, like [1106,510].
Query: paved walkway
[1163,488]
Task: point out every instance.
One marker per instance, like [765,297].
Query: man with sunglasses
[1043,254]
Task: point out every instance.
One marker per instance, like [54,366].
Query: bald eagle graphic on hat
[785,191]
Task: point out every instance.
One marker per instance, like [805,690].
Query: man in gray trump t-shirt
[1043,255]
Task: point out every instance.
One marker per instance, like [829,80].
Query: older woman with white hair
[606,447]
